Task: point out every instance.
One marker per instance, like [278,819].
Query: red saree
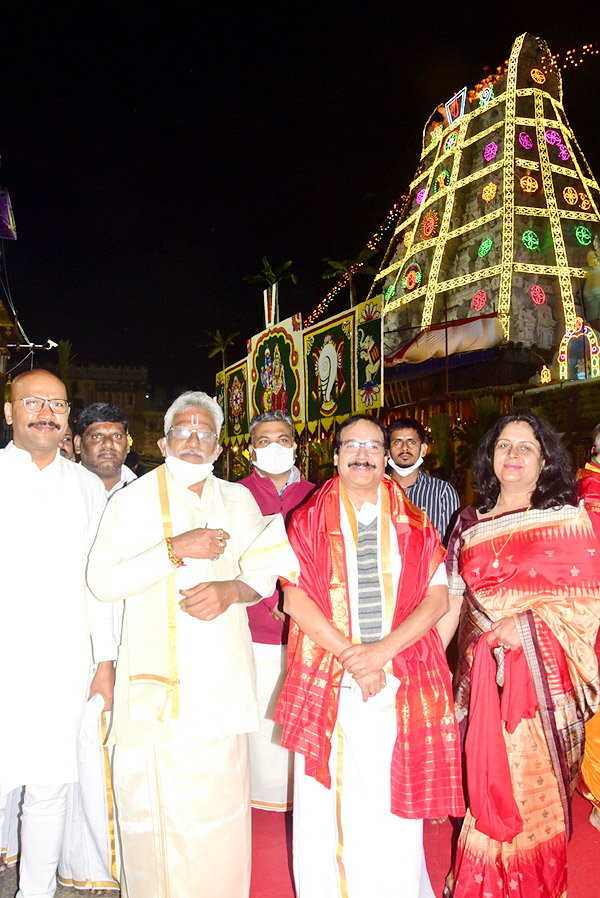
[425,774]
[549,580]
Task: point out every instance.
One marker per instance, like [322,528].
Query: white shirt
[49,521]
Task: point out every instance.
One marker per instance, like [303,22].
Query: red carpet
[271,854]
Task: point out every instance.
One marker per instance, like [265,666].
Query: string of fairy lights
[562,60]
[575,56]
[389,222]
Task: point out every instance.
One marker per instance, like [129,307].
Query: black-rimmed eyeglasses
[37,403]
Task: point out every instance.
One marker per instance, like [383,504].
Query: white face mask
[186,472]
[404,472]
[274,459]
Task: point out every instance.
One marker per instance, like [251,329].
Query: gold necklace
[495,562]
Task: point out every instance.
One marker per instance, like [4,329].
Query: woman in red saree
[524,571]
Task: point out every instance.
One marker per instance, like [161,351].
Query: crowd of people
[176,649]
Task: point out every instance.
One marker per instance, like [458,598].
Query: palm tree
[271,276]
[219,343]
[345,270]
[65,360]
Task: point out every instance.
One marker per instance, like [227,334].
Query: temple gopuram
[491,283]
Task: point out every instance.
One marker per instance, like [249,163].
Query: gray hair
[267,418]
[195,399]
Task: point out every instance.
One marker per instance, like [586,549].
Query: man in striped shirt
[437,498]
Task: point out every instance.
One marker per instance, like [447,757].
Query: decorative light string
[575,56]
[389,222]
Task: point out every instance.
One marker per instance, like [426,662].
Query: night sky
[152,158]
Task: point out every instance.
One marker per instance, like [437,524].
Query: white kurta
[49,520]
[176,813]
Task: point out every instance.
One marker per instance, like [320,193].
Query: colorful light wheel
[537,295]
[525,140]
[553,138]
[585,203]
[484,247]
[570,196]
[429,227]
[479,300]
[490,151]
[528,184]
[583,235]
[408,239]
[412,277]
[390,292]
[537,76]
[421,196]
[450,141]
[564,153]
[530,240]
[489,192]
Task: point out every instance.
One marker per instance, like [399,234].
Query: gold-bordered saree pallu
[548,578]
[425,770]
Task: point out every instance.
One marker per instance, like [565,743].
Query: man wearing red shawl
[367,704]
[588,489]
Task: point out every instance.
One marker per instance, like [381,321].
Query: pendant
[495,563]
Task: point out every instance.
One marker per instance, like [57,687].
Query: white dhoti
[184,818]
[271,766]
[10,807]
[346,840]
[39,812]
[90,855]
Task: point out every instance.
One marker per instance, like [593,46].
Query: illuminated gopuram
[501,227]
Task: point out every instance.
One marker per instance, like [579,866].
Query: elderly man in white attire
[52,512]
[188,553]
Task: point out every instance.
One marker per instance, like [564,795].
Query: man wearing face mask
[437,498]
[277,486]
[188,553]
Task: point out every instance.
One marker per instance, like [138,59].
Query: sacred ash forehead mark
[195,420]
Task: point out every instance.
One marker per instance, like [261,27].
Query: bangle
[175,561]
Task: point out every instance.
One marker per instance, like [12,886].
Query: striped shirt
[369,585]
[437,498]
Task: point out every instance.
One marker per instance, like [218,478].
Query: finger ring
[214,558]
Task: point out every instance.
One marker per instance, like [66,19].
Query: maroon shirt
[263,627]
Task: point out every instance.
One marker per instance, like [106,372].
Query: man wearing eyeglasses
[367,703]
[436,497]
[188,553]
[90,853]
[51,512]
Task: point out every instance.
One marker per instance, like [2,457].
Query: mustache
[45,423]
[362,464]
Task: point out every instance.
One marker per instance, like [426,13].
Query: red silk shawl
[425,770]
